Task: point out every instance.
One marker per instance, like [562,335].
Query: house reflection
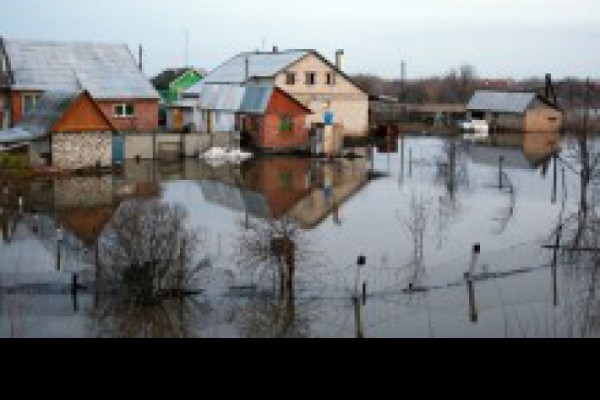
[306,190]
[520,151]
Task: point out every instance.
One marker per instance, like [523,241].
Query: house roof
[247,99]
[163,80]
[47,113]
[260,65]
[508,102]
[107,71]
[221,97]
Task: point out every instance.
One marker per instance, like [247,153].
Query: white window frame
[36,98]
[120,110]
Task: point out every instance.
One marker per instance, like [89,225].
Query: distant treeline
[458,85]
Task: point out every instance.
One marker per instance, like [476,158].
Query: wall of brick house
[145,119]
[349,104]
[80,150]
[272,138]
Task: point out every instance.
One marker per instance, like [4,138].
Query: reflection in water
[294,226]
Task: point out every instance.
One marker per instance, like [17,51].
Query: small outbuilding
[515,111]
[272,120]
[65,130]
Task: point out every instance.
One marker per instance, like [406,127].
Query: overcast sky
[508,38]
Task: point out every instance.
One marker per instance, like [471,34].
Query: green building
[172,82]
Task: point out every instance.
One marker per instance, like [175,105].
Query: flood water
[415,209]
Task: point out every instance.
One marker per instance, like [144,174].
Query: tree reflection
[146,267]
[274,249]
[580,245]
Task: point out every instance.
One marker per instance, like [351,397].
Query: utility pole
[187,48]
[402,96]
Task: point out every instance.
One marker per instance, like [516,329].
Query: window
[286,124]
[124,110]
[311,78]
[29,102]
[290,78]
[330,78]
[553,119]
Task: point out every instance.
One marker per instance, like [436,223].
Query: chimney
[140,58]
[339,59]
[247,68]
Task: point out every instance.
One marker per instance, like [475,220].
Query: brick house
[108,72]
[65,130]
[272,120]
[309,77]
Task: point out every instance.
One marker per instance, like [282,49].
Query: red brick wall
[281,105]
[145,120]
[274,139]
[16,99]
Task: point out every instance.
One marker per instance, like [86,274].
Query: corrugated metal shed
[107,71]
[504,102]
[222,97]
[260,65]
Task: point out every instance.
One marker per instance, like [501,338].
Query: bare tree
[275,248]
[146,252]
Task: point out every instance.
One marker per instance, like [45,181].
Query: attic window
[124,110]
[290,78]
[311,78]
[330,78]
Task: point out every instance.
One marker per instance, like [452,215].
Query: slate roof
[506,102]
[260,65]
[107,71]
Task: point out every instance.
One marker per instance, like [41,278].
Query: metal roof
[262,65]
[15,135]
[256,99]
[107,71]
[221,97]
[49,109]
[507,102]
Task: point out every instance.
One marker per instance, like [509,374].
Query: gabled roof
[40,121]
[257,97]
[507,102]
[263,65]
[247,99]
[260,65]
[163,80]
[107,71]
[47,112]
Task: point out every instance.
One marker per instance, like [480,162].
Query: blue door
[118,149]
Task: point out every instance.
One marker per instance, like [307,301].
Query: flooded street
[459,238]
